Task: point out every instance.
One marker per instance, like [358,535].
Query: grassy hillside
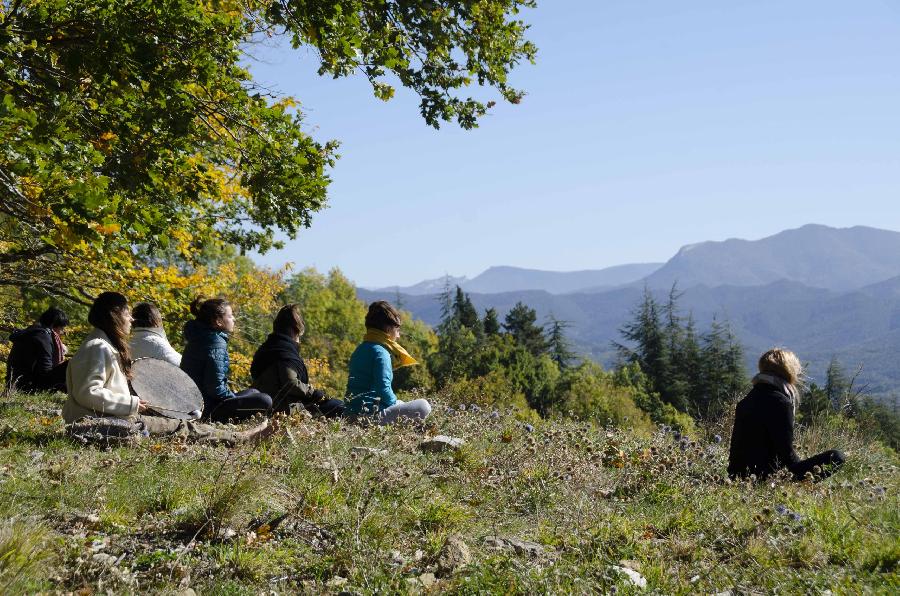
[518,509]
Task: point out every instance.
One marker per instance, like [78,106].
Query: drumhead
[168,389]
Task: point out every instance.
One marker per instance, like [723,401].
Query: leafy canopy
[130,127]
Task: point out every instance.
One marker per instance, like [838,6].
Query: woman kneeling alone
[278,369]
[205,359]
[372,368]
[763,437]
[100,402]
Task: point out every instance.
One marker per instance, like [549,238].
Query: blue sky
[647,126]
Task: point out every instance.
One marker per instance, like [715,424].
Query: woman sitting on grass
[372,366]
[205,359]
[100,403]
[148,338]
[763,437]
[278,369]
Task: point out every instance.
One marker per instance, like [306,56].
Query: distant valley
[820,291]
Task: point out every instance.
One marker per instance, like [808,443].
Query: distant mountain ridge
[500,279]
[820,291]
[814,255]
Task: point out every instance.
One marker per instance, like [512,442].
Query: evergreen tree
[722,369]
[558,346]
[465,312]
[814,403]
[491,323]
[521,324]
[837,385]
[650,349]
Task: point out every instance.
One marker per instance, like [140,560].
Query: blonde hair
[782,363]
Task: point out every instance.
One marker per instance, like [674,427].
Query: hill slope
[330,507]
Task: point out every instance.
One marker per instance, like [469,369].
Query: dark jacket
[279,371]
[30,363]
[762,440]
[205,360]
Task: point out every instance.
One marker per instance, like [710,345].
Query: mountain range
[820,291]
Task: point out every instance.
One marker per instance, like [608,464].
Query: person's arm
[289,382]
[781,430]
[215,377]
[89,376]
[167,352]
[382,377]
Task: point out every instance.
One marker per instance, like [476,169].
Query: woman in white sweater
[100,403]
[148,338]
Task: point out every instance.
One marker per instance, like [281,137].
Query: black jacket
[763,437]
[30,363]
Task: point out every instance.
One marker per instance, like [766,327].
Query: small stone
[36,456]
[633,576]
[104,559]
[495,414]
[454,555]
[336,582]
[441,443]
[520,547]
[427,580]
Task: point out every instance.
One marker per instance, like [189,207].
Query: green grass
[159,516]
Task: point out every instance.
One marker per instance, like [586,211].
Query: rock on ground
[441,443]
[633,576]
[520,547]
[455,555]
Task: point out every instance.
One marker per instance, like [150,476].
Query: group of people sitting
[100,398]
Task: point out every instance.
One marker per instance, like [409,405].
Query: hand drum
[167,389]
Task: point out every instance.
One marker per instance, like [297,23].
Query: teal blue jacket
[369,385]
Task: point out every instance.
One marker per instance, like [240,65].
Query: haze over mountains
[818,290]
[511,279]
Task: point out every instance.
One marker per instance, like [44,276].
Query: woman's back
[370,377]
[763,435]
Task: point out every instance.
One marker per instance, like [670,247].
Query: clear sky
[647,125]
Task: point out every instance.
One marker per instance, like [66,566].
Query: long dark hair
[209,311]
[289,320]
[109,313]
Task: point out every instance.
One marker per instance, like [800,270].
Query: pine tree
[465,312]
[722,369]
[491,323]
[650,349]
[558,345]
[837,385]
[521,324]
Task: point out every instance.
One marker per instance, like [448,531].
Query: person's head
[146,314]
[110,314]
[289,321]
[783,364]
[215,312]
[382,315]
[54,318]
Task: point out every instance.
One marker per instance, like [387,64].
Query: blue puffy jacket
[205,359]
[369,384]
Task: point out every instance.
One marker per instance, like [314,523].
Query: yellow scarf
[399,356]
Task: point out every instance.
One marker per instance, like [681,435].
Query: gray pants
[417,409]
[107,429]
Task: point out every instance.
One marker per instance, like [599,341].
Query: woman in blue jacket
[372,366]
[205,359]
